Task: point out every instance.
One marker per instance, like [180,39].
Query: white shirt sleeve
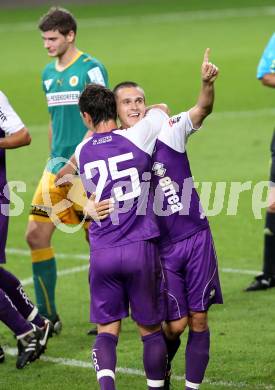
[145,132]
[176,130]
[78,150]
[96,76]
[10,122]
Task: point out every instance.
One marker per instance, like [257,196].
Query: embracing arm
[209,73]
[16,140]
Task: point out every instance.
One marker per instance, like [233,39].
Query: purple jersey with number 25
[117,164]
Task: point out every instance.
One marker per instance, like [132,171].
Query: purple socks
[155,360]
[11,316]
[13,288]
[104,360]
[197,357]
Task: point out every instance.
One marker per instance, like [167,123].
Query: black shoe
[261,282]
[92,332]
[33,344]
[55,325]
[46,333]
[31,347]
[2,355]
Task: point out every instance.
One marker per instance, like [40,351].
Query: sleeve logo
[48,83]
[96,76]
[158,169]
[174,120]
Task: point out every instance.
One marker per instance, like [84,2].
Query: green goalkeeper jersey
[62,89]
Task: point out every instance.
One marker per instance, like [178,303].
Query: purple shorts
[127,275]
[191,275]
[4,222]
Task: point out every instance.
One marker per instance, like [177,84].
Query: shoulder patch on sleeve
[96,76]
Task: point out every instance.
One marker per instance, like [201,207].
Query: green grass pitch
[159,44]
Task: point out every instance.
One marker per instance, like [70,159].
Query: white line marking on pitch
[23,252]
[239,271]
[172,17]
[68,271]
[130,371]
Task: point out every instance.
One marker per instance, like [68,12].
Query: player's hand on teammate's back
[209,71]
[99,211]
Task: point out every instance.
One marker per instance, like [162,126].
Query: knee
[146,330]
[173,329]
[31,238]
[34,238]
[198,322]
[112,328]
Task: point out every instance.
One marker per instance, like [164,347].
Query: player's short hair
[58,19]
[127,84]
[99,102]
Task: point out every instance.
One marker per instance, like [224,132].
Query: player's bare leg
[174,329]
[38,236]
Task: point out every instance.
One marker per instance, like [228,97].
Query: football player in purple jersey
[16,309]
[125,268]
[186,245]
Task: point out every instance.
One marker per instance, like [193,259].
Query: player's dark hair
[99,102]
[58,19]
[127,84]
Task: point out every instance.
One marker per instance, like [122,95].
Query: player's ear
[87,119]
[70,36]
[85,115]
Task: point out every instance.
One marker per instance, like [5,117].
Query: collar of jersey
[106,133]
[70,63]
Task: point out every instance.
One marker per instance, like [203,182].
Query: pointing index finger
[206,55]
